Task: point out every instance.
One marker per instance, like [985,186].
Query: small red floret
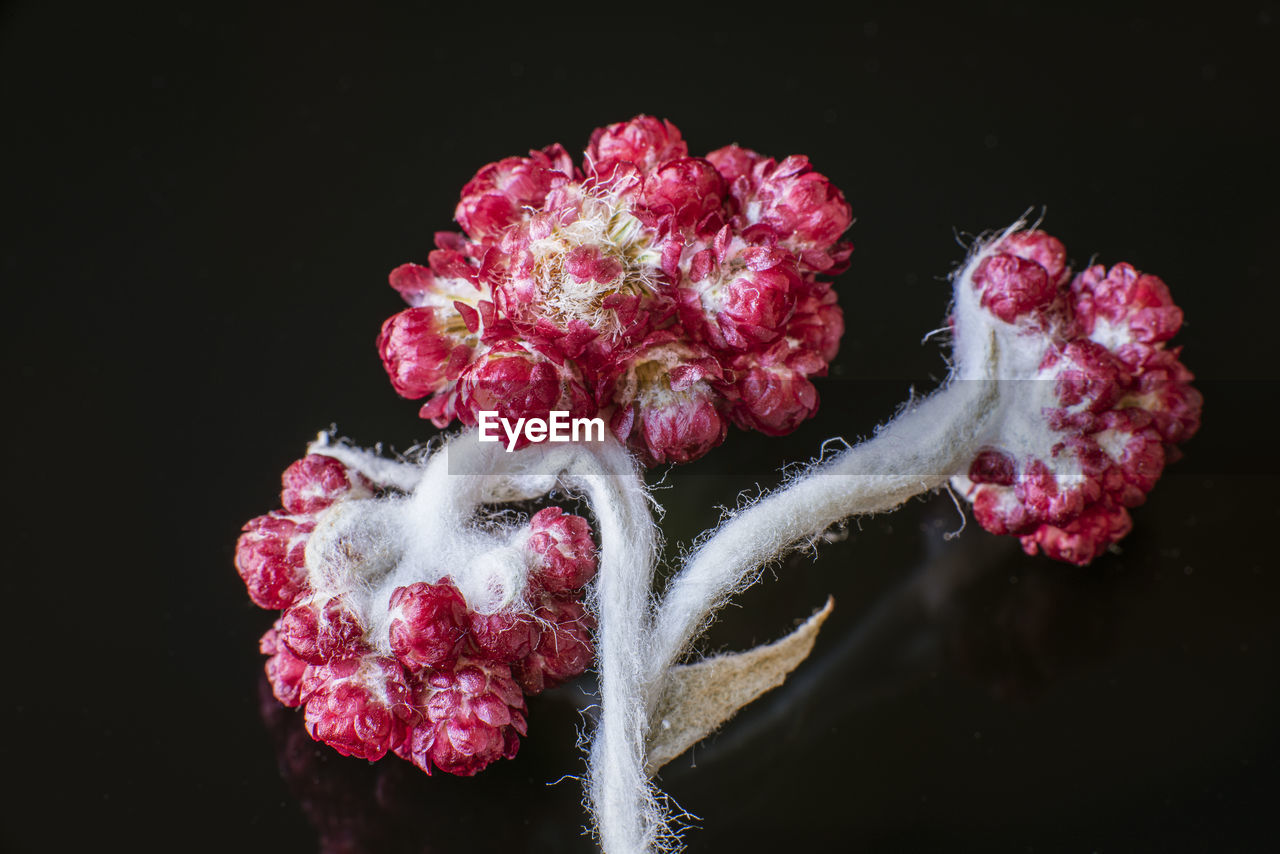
[474,715]
[359,706]
[565,648]
[565,555]
[316,481]
[428,624]
[271,557]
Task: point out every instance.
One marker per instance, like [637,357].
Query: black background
[200,208]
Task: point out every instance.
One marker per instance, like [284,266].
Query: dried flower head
[1094,401]
[410,668]
[669,294]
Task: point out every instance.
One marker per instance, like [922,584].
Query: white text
[560,428]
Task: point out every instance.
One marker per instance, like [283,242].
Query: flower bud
[428,624]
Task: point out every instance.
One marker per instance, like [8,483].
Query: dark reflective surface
[201,208]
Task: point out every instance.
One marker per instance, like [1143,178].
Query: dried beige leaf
[699,697]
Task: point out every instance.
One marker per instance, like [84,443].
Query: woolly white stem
[627,812]
[915,453]
[466,474]
[374,466]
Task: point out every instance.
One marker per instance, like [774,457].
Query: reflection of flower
[430,679]
[1103,404]
[1019,624]
[360,807]
[354,806]
[671,294]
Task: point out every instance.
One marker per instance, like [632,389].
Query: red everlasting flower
[563,277]
[415,670]
[667,406]
[684,192]
[520,383]
[797,205]
[772,393]
[1124,307]
[817,323]
[738,297]
[418,352]
[1045,250]
[1099,411]
[1013,286]
[1163,389]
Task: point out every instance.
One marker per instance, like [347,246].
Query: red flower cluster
[445,687]
[1103,413]
[670,294]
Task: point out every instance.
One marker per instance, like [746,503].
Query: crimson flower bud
[643,141]
[428,624]
[359,706]
[564,555]
[475,714]
[317,631]
[314,482]
[563,652]
[418,353]
[271,558]
[504,637]
[520,383]
[500,193]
